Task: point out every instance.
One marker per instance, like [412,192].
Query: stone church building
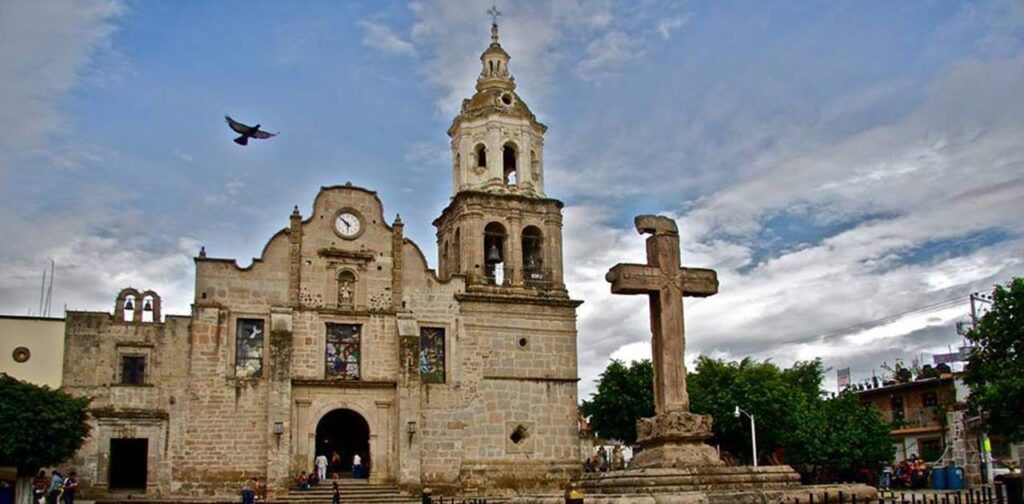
[340,339]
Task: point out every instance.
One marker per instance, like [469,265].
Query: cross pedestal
[674,437]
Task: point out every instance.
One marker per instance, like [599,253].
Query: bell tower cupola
[497,143]
[500,231]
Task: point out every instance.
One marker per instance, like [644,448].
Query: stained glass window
[343,351]
[432,354]
[249,347]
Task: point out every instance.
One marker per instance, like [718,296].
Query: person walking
[321,466]
[248,492]
[56,487]
[336,498]
[357,466]
[39,485]
[70,484]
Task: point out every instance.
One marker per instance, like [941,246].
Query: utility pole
[986,444]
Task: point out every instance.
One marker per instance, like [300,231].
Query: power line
[949,303]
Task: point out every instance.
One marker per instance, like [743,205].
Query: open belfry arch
[341,338]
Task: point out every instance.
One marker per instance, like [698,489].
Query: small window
[133,370]
[896,403]
[519,434]
[249,348]
[432,354]
[929,399]
[481,156]
[343,350]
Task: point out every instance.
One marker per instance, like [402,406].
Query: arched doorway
[346,433]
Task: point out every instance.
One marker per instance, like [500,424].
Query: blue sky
[836,162]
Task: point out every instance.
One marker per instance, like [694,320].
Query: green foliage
[995,372]
[41,426]
[624,394]
[830,438]
[837,437]
[760,388]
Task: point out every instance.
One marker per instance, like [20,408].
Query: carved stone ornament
[674,425]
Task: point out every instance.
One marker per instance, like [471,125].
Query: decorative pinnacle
[494,12]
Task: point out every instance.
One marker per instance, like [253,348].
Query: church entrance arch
[341,435]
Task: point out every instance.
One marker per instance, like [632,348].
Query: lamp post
[753,430]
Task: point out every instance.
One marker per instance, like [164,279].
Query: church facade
[340,340]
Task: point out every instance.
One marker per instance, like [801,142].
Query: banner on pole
[843,375]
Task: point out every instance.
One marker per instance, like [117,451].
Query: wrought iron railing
[498,275]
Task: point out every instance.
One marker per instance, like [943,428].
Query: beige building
[340,340]
[32,349]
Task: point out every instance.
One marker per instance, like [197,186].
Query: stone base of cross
[674,437]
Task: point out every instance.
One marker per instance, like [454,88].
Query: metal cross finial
[494,12]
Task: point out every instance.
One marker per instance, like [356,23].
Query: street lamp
[753,430]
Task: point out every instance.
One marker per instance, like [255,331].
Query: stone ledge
[312,382]
[796,495]
[688,479]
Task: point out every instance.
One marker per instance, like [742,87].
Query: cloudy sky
[853,170]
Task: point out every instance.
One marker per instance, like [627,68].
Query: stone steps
[351,490]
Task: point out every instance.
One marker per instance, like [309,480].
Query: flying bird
[247,132]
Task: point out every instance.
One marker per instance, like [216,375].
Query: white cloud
[607,54]
[383,38]
[541,38]
[667,26]
[44,47]
[948,169]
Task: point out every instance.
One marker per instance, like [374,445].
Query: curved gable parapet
[255,260]
[423,264]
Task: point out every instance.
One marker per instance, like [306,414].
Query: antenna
[42,291]
[49,290]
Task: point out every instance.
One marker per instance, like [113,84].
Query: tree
[762,389]
[624,394]
[41,426]
[837,439]
[995,370]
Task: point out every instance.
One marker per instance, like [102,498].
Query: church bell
[148,306]
[493,254]
[129,305]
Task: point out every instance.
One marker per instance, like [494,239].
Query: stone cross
[665,282]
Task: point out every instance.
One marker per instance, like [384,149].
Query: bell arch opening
[509,158]
[340,436]
[494,250]
[533,255]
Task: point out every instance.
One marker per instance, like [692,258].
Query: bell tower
[500,230]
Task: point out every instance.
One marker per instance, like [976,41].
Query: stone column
[407,438]
[279,398]
[553,251]
[294,257]
[397,244]
[515,250]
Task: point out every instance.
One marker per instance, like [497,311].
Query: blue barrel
[955,477]
[939,478]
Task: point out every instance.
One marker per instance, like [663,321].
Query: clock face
[347,224]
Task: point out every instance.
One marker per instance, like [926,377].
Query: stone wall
[94,346]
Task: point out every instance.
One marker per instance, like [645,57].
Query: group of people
[54,489]
[910,473]
[603,461]
[305,480]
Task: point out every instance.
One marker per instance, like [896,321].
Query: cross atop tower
[494,12]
